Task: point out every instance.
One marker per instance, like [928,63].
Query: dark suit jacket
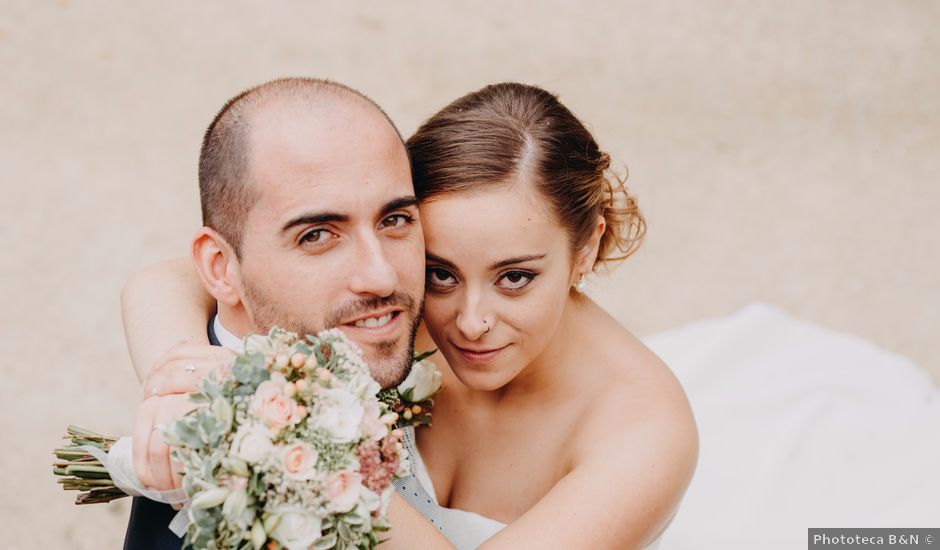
[149,525]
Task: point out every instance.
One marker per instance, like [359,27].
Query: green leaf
[352,519]
[345,533]
[425,355]
[325,542]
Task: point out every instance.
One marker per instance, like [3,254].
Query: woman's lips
[479,357]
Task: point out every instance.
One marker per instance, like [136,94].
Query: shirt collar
[226,338]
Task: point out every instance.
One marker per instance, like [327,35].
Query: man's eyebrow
[516,260]
[399,203]
[308,218]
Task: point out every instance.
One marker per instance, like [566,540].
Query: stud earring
[581,285]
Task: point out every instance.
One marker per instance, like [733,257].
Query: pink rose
[299,461]
[342,490]
[272,407]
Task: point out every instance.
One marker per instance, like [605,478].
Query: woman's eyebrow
[516,260]
[438,260]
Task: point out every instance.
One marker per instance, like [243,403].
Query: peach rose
[342,490]
[299,461]
[272,407]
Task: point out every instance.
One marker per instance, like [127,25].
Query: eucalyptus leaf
[345,533]
[326,542]
[352,519]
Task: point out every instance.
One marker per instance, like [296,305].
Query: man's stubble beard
[388,370]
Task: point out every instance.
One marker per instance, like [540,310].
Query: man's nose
[373,274]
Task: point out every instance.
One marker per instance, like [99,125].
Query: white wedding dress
[465,530]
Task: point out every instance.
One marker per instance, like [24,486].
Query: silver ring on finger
[189,368]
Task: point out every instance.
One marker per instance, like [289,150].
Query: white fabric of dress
[800,426]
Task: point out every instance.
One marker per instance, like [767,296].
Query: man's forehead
[347,160]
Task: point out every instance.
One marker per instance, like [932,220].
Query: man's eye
[397,221]
[440,277]
[316,236]
[515,280]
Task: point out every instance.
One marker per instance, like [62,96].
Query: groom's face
[334,239]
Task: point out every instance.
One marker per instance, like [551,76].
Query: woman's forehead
[496,221]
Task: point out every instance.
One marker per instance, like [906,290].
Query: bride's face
[499,270]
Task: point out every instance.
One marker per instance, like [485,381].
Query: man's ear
[588,253]
[217,266]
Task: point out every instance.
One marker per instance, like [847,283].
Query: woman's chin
[479,378]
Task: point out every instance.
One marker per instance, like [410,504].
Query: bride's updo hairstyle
[512,132]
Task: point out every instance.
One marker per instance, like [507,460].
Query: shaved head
[225,189]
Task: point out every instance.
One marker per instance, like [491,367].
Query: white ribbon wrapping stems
[119,462]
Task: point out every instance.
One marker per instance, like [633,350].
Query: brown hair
[508,132]
[225,191]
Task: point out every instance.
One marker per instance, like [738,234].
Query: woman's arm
[163,305]
[410,529]
[624,488]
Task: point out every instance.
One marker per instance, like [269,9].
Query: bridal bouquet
[297,449]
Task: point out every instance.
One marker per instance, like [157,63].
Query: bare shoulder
[639,410]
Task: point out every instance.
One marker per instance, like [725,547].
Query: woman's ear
[217,265]
[588,253]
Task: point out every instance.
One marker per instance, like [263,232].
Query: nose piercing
[486,325]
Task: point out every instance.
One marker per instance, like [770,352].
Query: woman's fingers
[143,427]
[183,368]
[152,461]
[159,458]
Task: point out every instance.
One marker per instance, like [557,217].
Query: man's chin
[388,369]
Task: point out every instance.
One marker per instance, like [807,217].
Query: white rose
[339,413]
[364,386]
[423,381]
[298,528]
[368,503]
[252,443]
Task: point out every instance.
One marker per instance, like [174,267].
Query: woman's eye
[440,277]
[397,221]
[515,280]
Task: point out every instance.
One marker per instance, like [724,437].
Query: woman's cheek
[436,314]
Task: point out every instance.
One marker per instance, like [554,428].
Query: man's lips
[379,324]
[479,356]
[374,318]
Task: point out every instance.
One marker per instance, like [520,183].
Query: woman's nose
[471,321]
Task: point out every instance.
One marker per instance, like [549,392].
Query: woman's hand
[179,372]
[182,368]
[152,462]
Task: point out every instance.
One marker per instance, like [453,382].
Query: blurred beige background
[784,152]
